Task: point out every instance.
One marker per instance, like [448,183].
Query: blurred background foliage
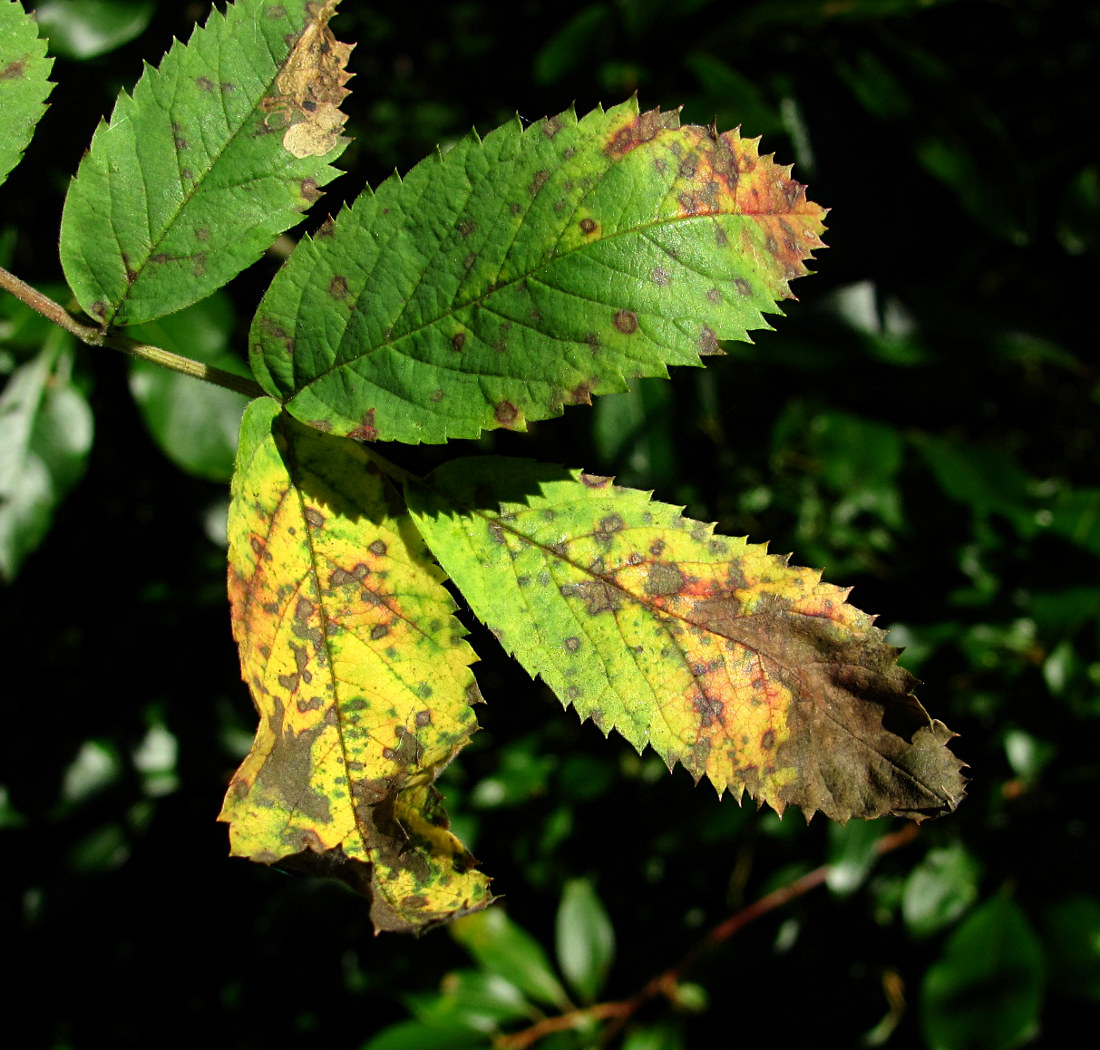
[922,425]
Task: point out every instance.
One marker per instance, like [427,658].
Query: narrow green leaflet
[530,270]
[718,655]
[215,154]
[359,672]
[45,436]
[24,88]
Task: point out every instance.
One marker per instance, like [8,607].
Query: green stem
[98,337]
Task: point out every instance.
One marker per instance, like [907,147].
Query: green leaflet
[529,270]
[215,154]
[717,654]
[24,88]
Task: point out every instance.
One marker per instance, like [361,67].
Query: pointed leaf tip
[720,656]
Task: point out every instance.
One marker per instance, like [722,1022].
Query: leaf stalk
[93,336]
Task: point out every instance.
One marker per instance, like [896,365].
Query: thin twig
[664,984]
[93,336]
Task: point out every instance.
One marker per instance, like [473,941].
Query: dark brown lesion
[641,128]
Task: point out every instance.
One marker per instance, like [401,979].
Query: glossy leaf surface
[359,672]
[530,270]
[215,154]
[717,654]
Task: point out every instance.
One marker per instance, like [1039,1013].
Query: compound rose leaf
[530,270]
[215,154]
[719,655]
[359,671]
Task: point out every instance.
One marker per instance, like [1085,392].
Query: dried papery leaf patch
[310,88]
[358,670]
[720,656]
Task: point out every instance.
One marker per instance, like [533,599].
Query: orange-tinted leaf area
[722,657]
[359,672]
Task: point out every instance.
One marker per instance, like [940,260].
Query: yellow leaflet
[359,672]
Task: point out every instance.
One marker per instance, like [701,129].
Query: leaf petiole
[92,336]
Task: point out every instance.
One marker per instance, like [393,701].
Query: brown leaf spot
[458,341]
[572,644]
[598,596]
[641,128]
[15,70]
[205,83]
[198,265]
[595,481]
[303,610]
[466,227]
[581,394]
[436,396]
[202,233]
[663,578]
[423,718]
[659,276]
[539,181]
[506,413]
[310,190]
[314,517]
[708,343]
[338,287]
[551,126]
[714,296]
[366,430]
[379,631]
[378,548]
[588,225]
[626,321]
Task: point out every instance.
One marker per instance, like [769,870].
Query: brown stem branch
[665,982]
[93,336]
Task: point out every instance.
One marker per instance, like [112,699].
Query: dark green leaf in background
[585,939]
[939,889]
[986,989]
[195,424]
[1072,933]
[45,438]
[503,948]
[83,29]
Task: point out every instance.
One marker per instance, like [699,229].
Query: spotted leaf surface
[719,655]
[529,270]
[24,86]
[359,673]
[212,157]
